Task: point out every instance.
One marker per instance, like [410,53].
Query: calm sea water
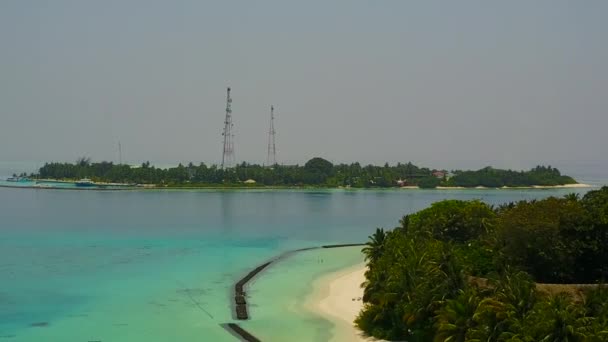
[160,265]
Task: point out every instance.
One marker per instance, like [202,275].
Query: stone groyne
[240,295]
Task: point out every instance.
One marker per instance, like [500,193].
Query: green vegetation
[495,178]
[317,172]
[429,182]
[464,271]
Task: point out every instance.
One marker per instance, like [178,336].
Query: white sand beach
[332,299]
[566,186]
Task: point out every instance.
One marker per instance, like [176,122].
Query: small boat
[18,179]
[85,182]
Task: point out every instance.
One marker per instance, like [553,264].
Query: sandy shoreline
[332,299]
[577,185]
[124,186]
[565,186]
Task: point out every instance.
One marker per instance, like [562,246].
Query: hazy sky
[444,84]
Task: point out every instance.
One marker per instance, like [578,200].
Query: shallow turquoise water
[278,298]
[160,265]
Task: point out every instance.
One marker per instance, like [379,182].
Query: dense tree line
[464,271]
[495,178]
[315,172]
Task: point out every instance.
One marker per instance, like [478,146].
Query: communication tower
[119,153]
[228,151]
[271,159]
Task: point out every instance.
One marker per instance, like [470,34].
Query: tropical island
[466,271]
[317,172]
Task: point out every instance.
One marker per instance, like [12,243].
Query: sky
[440,83]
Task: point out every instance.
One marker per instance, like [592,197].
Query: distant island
[317,172]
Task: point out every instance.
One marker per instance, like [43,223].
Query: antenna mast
[119,154]
[271,159]
[228,151]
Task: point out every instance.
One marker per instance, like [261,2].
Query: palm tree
[517,291]
[404,223]
[455,320]
[501,317]
[375,246]
[83,161]
[495,322]
[596,302]
[572,197]
[563,320]
[375,277]
[596,305]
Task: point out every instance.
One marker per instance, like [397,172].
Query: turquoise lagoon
[160,265]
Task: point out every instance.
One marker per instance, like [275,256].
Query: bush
[477,256]
[430,182]
[547,238]
[453,220]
